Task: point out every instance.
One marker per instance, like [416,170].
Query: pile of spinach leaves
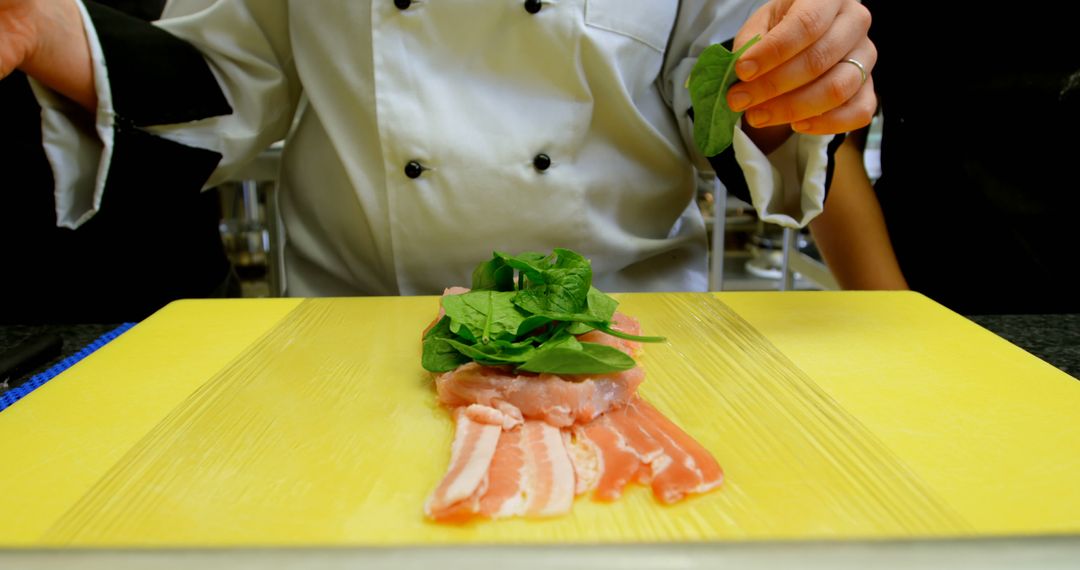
[523,311]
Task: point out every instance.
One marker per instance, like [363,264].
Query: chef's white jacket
[423,135]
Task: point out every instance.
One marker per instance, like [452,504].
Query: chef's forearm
[61,59]
[851,231]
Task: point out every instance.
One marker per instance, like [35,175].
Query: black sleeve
[730,173]
[148,10]
[155,79]
[156,238]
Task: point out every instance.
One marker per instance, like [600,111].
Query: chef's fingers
[855,114]
[845,35]
[840,84]
[786,27]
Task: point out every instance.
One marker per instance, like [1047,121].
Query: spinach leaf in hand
[713,74]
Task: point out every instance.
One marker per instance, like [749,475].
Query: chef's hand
[46,40]
[18,36]
[798,76]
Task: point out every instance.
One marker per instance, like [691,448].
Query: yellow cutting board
[310,422]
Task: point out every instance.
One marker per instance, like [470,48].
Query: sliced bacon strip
[530,474]
[585,458]
[637,443]
[466,477]
[550,487]
[505,496]
[620,463]
[636,437]
[690,467]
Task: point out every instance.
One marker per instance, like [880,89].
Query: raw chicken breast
[556,400]
[559,400]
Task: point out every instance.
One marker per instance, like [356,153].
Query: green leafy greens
[524,311]
[713,74]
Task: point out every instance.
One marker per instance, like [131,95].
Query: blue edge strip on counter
[15,394]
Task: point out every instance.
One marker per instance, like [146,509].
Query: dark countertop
[75,337]
[1053,338]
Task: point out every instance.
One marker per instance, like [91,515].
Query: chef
[420,135]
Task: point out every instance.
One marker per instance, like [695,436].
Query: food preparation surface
[310,423]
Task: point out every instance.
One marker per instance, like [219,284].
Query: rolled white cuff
[788,185]
[79,147]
